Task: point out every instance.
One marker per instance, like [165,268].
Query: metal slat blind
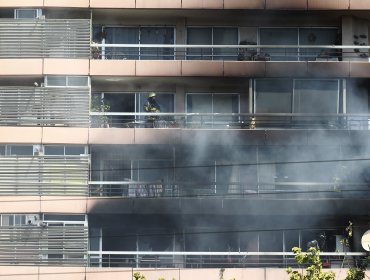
[49,245]
[44,106]
[32,38]
[44,175]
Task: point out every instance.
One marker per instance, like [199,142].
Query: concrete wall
[184,68]
[195,4]
[69,273]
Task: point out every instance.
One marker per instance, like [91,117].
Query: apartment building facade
[262,142]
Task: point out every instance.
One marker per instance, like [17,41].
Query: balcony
[39,106]
[44,38]
[236,190]
[256,61]
[44,175]
[157,260]
[256,121]
[229,52]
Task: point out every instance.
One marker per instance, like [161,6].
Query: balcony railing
[38,38]
[231,120]
[44,106]
[210,259]
[281,190]
[43,245]
[44,175]
[229,52]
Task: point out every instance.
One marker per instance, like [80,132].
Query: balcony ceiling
[139,83]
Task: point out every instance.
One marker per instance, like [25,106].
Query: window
[212,36]
[213,103]
[20,150]
[139,35]
[64,219]
[67,81]
[316,96]
[297,96]
[279,36]
[64,150]
[296,37]
[27,13]
[320,97]
[129,103]
[19,219]
[273,96]
[318,36]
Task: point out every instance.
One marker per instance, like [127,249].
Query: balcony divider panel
[37,38]
[30,106]
[44,175]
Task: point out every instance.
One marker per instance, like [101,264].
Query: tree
[311,259]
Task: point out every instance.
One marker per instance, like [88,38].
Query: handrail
[229,46]
[230,114]
[194,253]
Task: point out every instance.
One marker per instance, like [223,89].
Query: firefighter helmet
[152,94]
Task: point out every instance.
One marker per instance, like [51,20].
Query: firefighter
[151,106]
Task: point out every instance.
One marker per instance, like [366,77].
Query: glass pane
[225,103]
[199,36]
[271,241]
[54,150]
[94,239]
[2,150]
[164,100]
[26,13]
[75,150]
[56,217]
[291,240]
[273,96]
[225,36]
[199,103]
[21,150]
[316,96]
[120,103]
[7,220]
[78,81]
[319,36]
[60,81]
[280,36]
[156,35]
[121,35]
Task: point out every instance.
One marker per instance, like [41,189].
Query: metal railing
[38,38]
[280,190]
[210,259]
[43,245]
[44,106]
[229,52]
[44,175]
[231,120]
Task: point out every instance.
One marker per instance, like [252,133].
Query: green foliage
[98,105]
[311,259]
[139,276]
[358,273]
[221,273]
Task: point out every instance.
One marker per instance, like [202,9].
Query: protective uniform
[151,106]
